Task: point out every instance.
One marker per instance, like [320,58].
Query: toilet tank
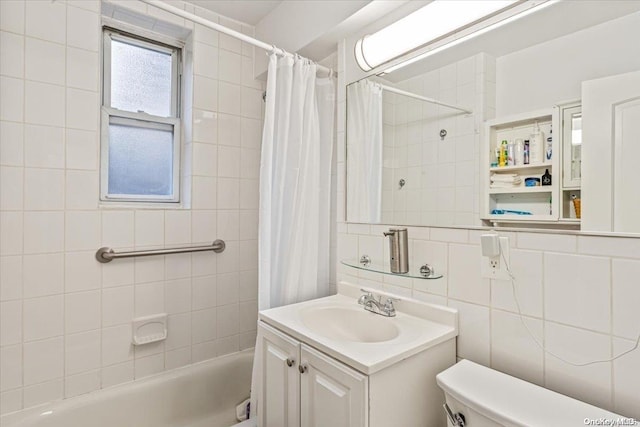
[488,398]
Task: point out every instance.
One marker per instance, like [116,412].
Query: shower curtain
[364,152]
[295,184]
[295,180]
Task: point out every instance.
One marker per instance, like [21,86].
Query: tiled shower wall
[65,318]
[440,173]
[578,295]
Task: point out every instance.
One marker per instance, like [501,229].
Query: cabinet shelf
[520,167]
[520,190]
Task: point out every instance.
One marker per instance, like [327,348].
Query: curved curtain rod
[228,31]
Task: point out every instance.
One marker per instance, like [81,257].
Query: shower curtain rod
[228,31]
[423,98]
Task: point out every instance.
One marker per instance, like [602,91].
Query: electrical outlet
[496,267]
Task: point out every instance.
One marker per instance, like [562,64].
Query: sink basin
[349,324]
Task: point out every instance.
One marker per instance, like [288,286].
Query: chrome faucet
[376,306]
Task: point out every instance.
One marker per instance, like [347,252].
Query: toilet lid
[513,402]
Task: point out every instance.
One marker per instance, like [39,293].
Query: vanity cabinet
[303,387]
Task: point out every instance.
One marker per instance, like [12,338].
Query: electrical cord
[538,343]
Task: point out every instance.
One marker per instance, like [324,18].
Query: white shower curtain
[295,184]
[295,179]
[364,152]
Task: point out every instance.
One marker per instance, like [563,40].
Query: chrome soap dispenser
[398,249]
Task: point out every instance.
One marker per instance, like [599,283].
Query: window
[140,147]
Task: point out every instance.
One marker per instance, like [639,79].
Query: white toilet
[487,398]
[252,422]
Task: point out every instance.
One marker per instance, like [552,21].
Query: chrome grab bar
[107,254]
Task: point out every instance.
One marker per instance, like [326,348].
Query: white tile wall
[65,318]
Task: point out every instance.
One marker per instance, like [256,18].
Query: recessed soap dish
[148,329]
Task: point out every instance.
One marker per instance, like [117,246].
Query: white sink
[341,328]
[349,324]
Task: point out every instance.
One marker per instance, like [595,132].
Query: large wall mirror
[416,138]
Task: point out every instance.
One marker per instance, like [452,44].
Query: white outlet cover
[500,273]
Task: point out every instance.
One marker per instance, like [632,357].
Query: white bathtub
[200,395]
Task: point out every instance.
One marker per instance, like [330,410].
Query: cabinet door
[279,397]
[611,131]
[331,394]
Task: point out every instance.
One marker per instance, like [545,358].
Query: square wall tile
[11,278]
[474,336]
[82,109]
[11,143]
[83,29]
[83,69]
[465,281]
[40,15]
[11,323]
[10,367]
[177,295]
[82,352]
[513,349]
[149,299]
[12,16]
[43,360]
[117,305]
[626,294]
[203,292]
[86,382]
[527,270]
[44,146]
[43,189]
[44,103]
[591,383]
[82,190]
[577,290]
[116,345]
[149,228]
[43,317]
[82,311]
[118,229]
[11,54]
[43,275]
[82,149]
[82,230]
[12,101]
[43,232]
[81,271]
[11,238]
[44,61]
[11,188]
[177,227]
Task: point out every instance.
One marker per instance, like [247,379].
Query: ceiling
[247,11]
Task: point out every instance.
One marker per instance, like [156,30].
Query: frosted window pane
[140,161]
[140,79]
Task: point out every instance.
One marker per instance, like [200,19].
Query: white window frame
[139,119]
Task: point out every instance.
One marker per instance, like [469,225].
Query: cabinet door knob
[290,362]
[303,368]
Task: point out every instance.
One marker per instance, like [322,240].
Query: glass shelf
[414,272]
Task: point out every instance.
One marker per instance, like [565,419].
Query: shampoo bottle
[536,145]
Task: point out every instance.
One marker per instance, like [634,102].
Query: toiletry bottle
[526,153]
[548,151]
[546,178]
[511,154]
[536,141]
[503,154]
[398,249]
[519,152]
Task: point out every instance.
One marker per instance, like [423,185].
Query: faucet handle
[364,298]
[389,304]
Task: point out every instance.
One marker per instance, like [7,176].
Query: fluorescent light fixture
[528,8]
[437,19]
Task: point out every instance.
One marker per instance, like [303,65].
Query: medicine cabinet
[514,191]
